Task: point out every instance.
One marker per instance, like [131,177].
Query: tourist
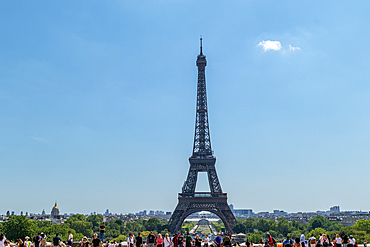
[130,240]
[352,241]
[337,241]
[227,241]
[218,240]
[102,230]
[175,240]
[56,240]
[155,239]
[271,240]
[151,239]
[206,240]
[19,243]
[297,243]
[247,243]
[84,242]
[302,240]
[96,242]
[166,241]
[112,244]
[159,240]
[6,243]
[197,241]
[37,239]
[365,243]
[139,240]
[2,239]
[251,244]
[70,238]
[43,242]
[27,242]
[312,241]
[344,238]
[287,242]
[188,240]
[181,241]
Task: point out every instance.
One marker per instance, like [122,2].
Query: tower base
[196,202]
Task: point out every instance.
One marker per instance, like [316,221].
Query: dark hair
[2,236]
[297,240]
[56,234]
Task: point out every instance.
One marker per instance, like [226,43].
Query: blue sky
[97,103]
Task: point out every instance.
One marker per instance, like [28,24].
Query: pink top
[159,240]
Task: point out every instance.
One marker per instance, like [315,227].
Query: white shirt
[167,242]
[352,240]
[2,242]
[130,240]
[112,245]
[205,240]
[302,239]
[338,240]
[70,237]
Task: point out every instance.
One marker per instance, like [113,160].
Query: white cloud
[38,139]
[291,48]
[275,45]
[270,45]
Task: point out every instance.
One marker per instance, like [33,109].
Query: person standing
[151,239]
[159,240]
[287,242]
[197,241]
[130,240]
[206,240]
[344,238]
[43,242]
[181,241]
[302,240]
[297,243]
[188,240]
[312,241]
[56,240]
[352,241]
[139,240]
[27,242]
[227,241]
[37,239]
[101,231]
[96,242]
[84,242]
[218,240]
[271,240]
[166,241]
[70,238]
[2,239]
[175,240]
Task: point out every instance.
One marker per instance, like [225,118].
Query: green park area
[255,229]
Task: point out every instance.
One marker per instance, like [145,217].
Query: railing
[202,194]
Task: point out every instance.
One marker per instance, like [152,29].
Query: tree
[19,227]
[239,228]
[152,224]
[96,220]
[83,227]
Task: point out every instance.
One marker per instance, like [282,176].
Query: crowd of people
[324,240]
[179,240]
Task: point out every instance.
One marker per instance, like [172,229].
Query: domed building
[55,211]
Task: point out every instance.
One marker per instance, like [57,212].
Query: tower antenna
[201,45]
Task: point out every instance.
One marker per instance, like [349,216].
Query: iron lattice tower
[202,160]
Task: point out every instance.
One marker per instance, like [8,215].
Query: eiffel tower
[202,160]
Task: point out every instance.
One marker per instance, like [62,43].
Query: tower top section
[201,59]
[202,140]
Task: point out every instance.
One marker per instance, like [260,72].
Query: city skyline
[97,103]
